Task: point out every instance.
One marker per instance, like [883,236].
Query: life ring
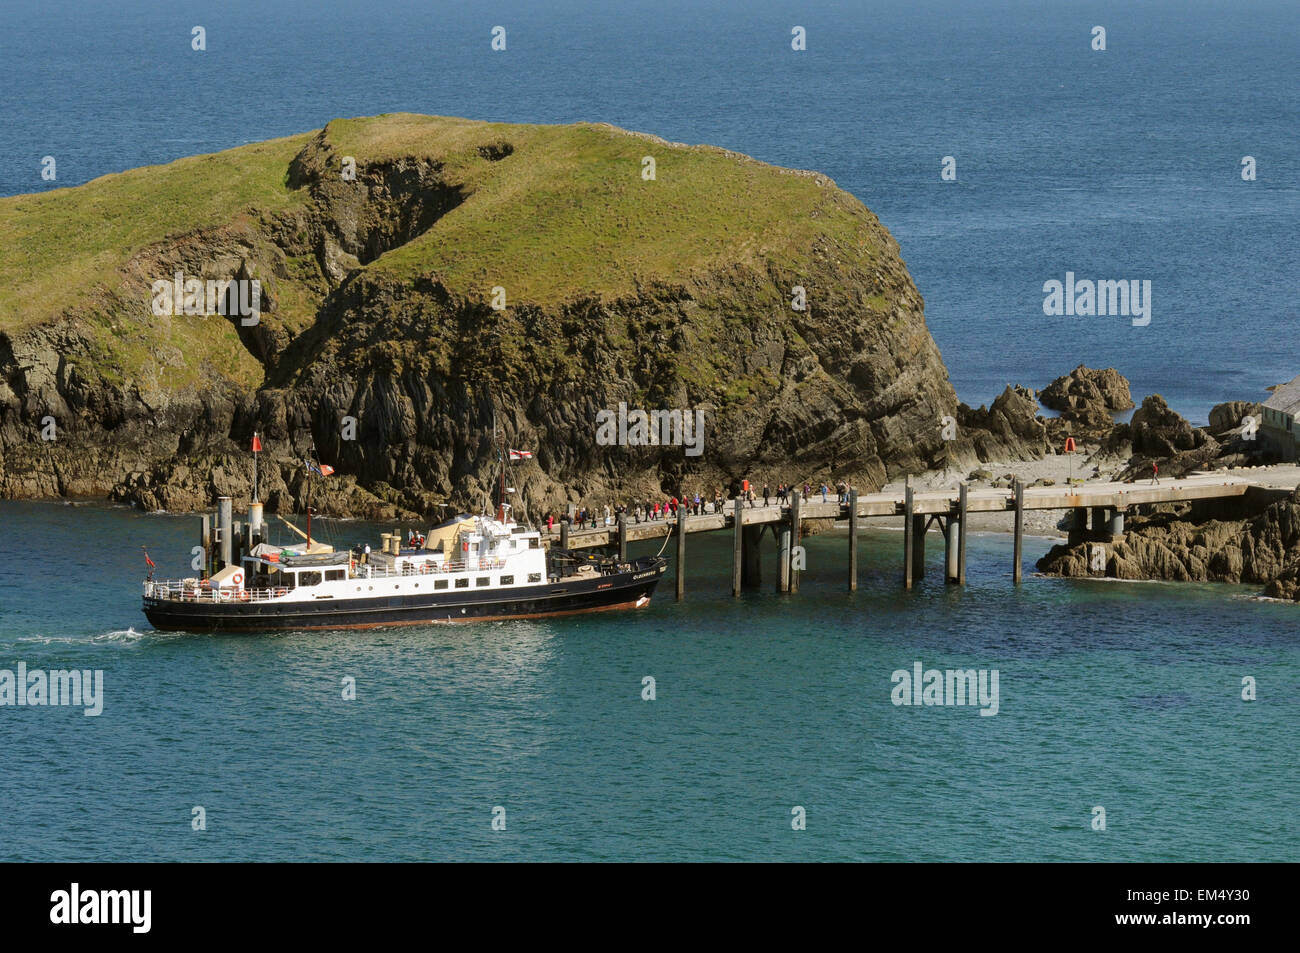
[424,569]
[243,595]
[237,579]
[281,592]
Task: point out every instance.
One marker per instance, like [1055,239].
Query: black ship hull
[591,593]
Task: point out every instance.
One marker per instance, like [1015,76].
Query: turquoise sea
[1123,696]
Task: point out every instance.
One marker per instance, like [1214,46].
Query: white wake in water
[127,636]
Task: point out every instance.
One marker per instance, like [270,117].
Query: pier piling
[1019,543]
[751,576]
[796,512]
[961,536]
[737,553]
[783,559]
[951,549]
[909,525]
[853,540]
[920,523]
[681,555]
[1078,525]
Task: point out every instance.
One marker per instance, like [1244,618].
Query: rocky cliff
[423,279]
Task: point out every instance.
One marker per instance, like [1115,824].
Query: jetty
[1098,518]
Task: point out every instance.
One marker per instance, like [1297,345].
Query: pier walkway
[946,509]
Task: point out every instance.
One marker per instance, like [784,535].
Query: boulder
[1088,398]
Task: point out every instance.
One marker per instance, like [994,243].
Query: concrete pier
[950,508]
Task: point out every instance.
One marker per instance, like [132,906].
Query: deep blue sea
[1115,164]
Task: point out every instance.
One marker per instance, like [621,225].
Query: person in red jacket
[1155,472]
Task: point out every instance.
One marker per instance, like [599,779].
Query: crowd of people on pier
[651,510]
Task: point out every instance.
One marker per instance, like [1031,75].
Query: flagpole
[254,466]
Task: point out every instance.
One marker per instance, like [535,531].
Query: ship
[465,569]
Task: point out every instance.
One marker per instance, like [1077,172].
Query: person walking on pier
[766,494]
[1155,472]
[825,490]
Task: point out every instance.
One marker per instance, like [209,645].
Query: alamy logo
[82,688]
[658,428]
[1086,297]
[227,296]
[952,687]
[103,906]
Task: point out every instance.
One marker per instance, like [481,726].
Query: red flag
[147,560]
[521,454]
[326,469]
[257,443]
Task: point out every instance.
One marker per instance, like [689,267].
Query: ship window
[309,578]
[462,583]
[332,575]
[483,581]
[534,577]
[507,580]
[440,584]
[533,543]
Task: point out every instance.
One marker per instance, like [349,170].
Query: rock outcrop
[1161,435]
[1010,429]
[427,282]
[1088,398]
[1179,543]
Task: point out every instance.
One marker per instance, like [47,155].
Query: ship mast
[309,503]
[501,459]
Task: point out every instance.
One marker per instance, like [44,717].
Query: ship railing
[377,571]
[176,590]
